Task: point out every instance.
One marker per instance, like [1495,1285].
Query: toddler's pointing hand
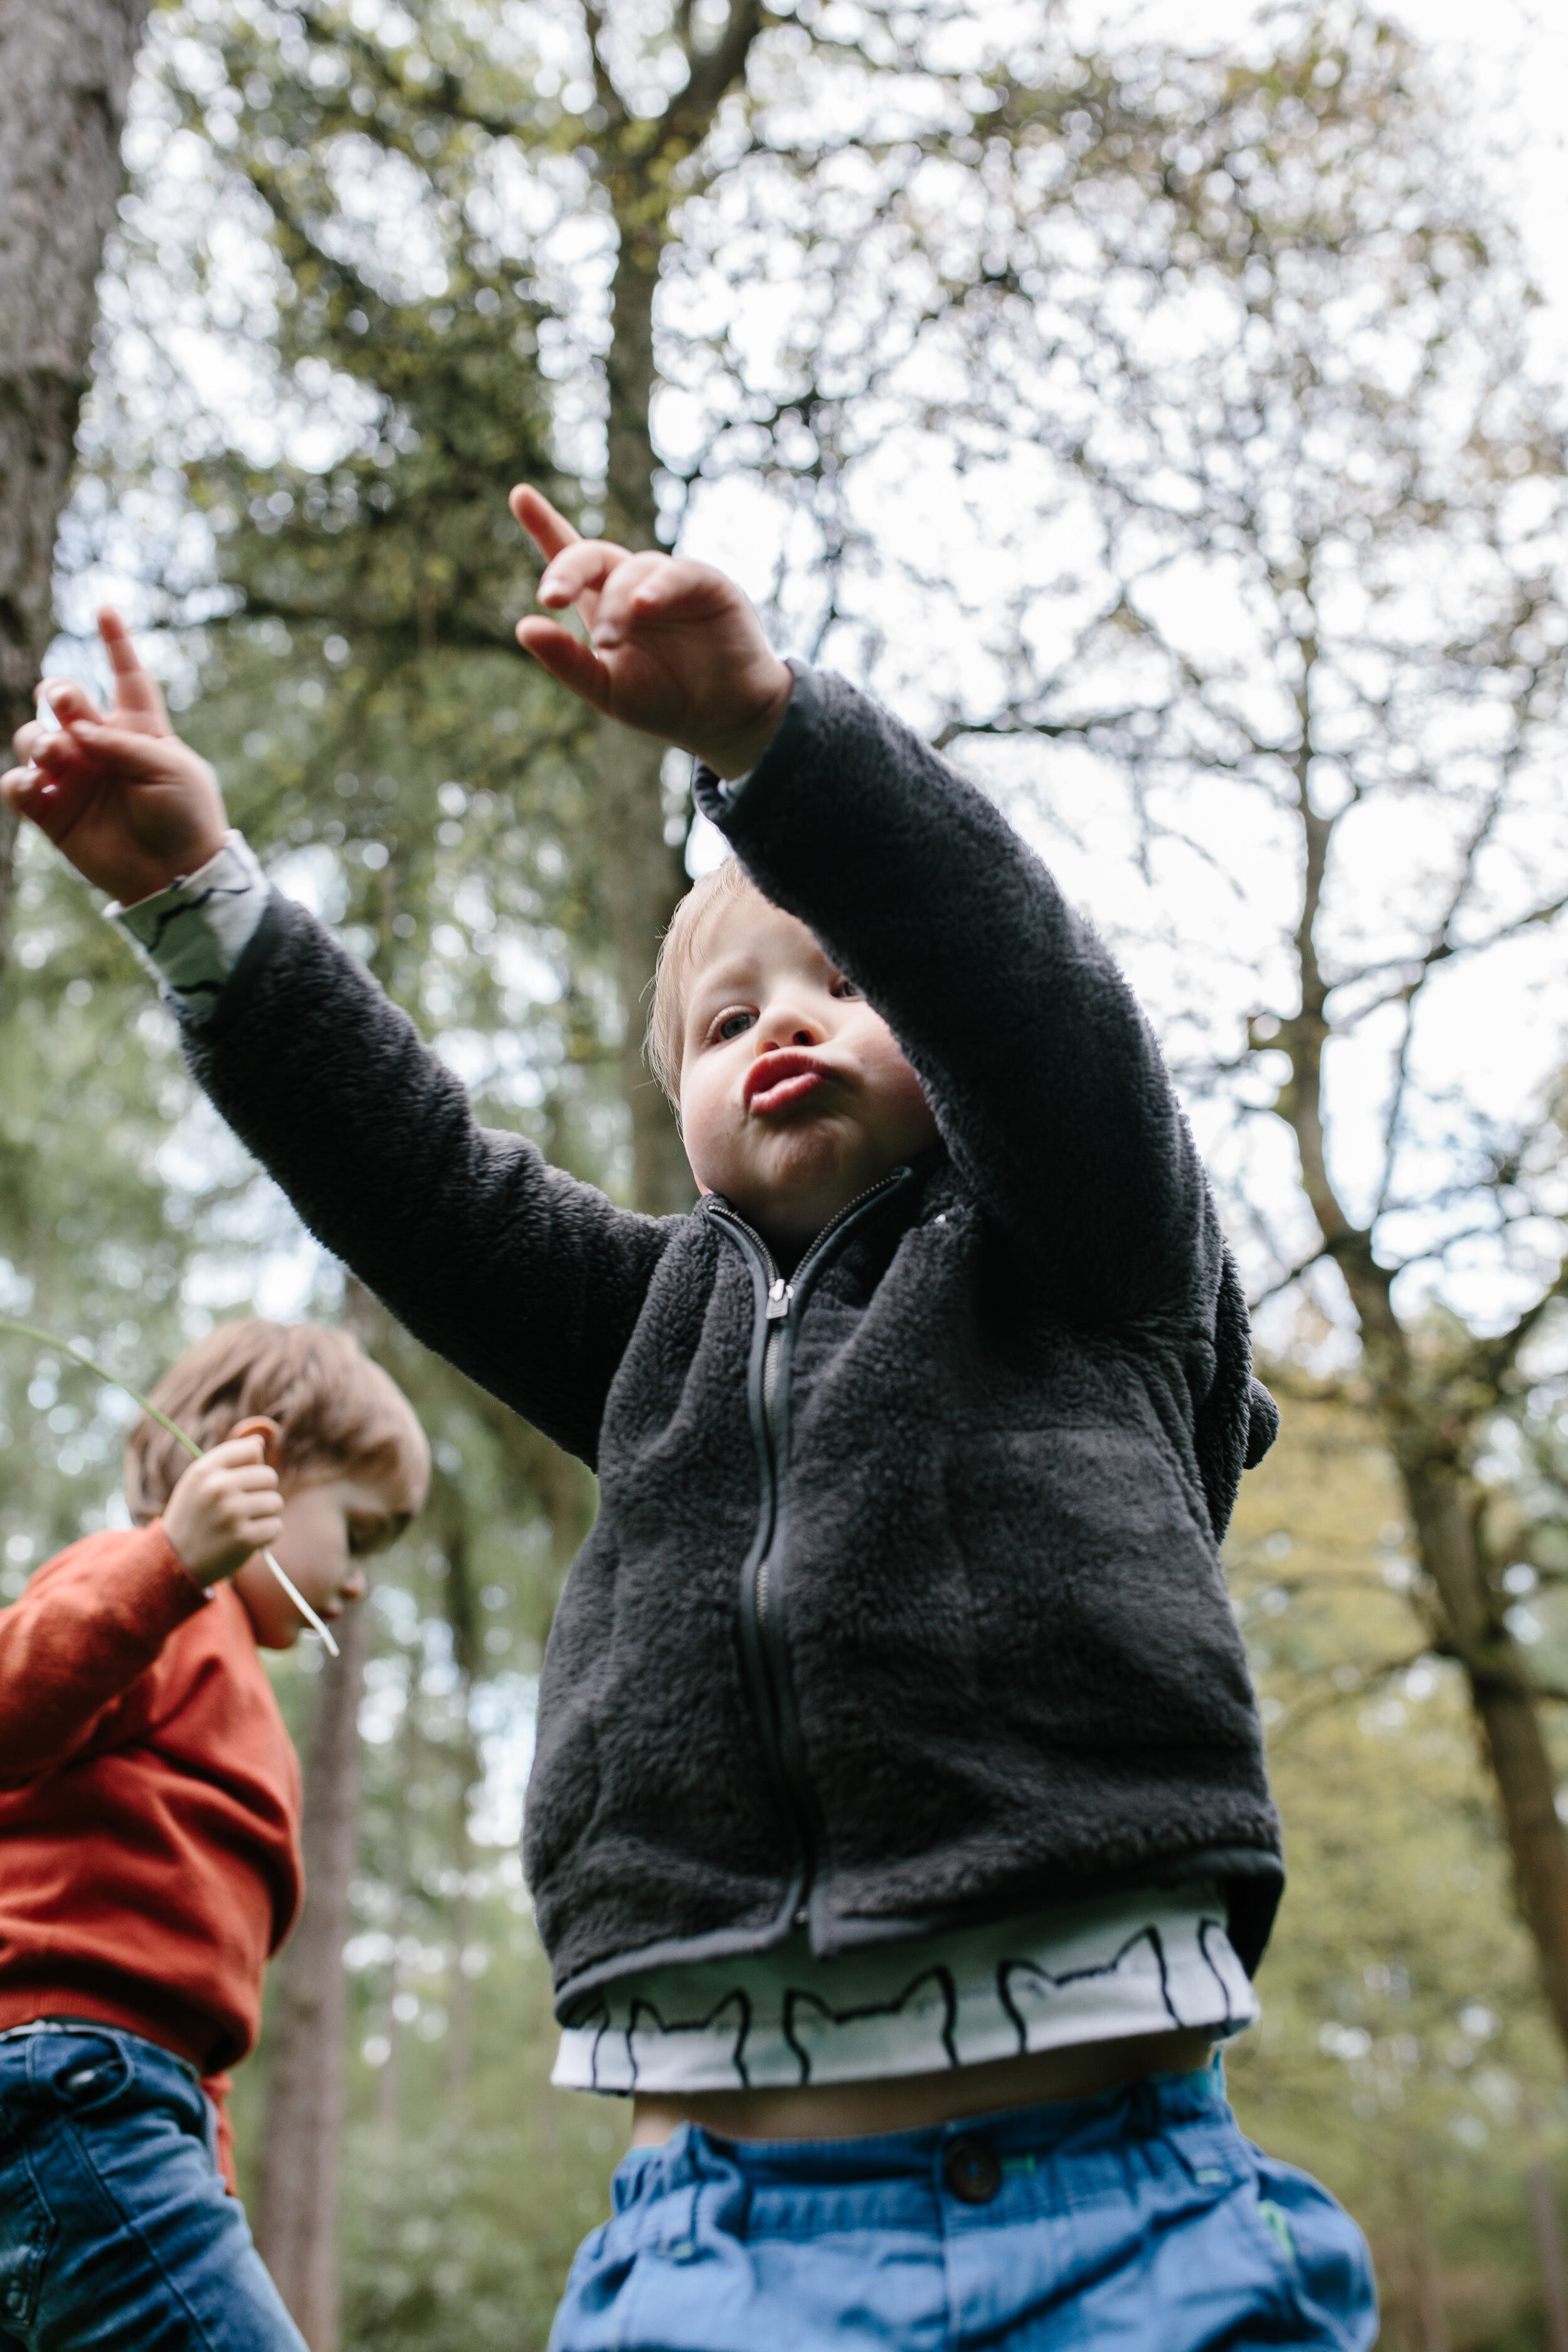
[119,794]
[675,649]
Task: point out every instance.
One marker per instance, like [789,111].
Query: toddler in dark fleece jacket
[899,1828]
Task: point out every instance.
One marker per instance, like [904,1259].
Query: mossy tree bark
[65,77]
[640,167]
[296,2206]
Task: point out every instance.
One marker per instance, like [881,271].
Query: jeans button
[974,2170]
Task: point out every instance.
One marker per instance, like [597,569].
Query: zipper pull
[779,1296]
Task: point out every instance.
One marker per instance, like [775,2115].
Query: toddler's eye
[842,987]
[733,1024]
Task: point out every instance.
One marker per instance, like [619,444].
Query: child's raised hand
[675,649]
[119,795]
[226,1508]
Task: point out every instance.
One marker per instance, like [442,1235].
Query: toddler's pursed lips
[776,1081]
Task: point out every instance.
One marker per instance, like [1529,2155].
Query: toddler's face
[794,1097]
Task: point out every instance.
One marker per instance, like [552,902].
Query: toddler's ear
[259,1425]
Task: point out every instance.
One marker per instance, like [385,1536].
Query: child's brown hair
[339,1413]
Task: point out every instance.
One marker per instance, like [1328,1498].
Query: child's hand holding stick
[226,1506]
[219,1505]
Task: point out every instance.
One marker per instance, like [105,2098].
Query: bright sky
[1516,53]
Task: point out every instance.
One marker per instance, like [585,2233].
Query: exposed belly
[915,2102]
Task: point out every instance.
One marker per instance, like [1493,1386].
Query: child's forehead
[747,934]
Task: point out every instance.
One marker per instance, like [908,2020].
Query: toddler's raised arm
[525,1279]
[1048,1084]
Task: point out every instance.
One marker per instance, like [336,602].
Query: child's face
[794,1097]
[330,1527]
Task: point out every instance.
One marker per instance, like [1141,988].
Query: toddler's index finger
[548,529]
[135,689]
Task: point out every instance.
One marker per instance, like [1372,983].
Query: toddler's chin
[808,1155]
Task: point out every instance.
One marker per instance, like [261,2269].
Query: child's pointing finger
[548,529]
[135,690]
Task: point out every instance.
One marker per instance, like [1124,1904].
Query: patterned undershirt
[1081,1972]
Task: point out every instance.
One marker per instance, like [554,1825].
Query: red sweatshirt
[149,1803]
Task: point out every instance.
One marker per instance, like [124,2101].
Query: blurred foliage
[1403,2054]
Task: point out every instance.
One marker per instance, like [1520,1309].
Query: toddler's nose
[785,1029]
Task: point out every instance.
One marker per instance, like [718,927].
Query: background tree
[478,243]
[1403,2040]
[295,2216]
[1305,491]
[64,73]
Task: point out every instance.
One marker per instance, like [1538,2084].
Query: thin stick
[301,1603]
[64,1348]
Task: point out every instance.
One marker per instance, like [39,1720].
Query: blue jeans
[1137,2221]
[117,2233]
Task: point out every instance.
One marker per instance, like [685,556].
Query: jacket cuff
[191,936]
[278,920]
[1262,1424]
[726,804]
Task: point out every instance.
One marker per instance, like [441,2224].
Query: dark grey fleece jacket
[903,1606]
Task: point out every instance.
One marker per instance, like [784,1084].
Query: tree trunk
[65,76]
[297,2210]
[1549,2248]
[1426,1440]
[1429,2322]
[643,878]
[1507,1712]
[389,2084]
[459,2022]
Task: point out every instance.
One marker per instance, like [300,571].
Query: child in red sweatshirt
[150,1835]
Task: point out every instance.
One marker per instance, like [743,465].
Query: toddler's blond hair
[678,953]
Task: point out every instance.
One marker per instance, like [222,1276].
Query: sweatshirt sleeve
[526,1279]
[1049,1088]
[88,1626]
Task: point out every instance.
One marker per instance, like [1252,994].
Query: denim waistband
[97,2025]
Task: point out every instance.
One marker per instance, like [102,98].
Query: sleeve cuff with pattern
[191,936]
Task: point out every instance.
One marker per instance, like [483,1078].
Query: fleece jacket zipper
[764,1630]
